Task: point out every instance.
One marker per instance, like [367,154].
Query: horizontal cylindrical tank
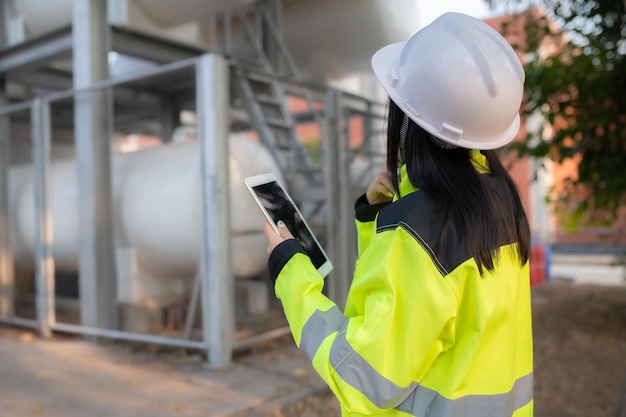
[42,16]
[332,39]
[156,208]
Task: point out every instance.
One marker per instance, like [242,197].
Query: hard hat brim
[382,62]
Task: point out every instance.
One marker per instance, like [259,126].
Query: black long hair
[483,217]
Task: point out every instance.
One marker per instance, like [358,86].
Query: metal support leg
[193,307]
[44,279]
[218,313]
[91,39]
[6,256]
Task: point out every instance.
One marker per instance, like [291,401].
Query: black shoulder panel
[415,213]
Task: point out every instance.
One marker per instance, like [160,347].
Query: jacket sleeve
[365,216]
[373,358]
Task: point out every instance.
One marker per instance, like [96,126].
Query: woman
[437,320]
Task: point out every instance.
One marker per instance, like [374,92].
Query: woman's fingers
[274,238]
[380,190]
[284,232]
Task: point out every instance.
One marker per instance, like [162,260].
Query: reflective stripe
[427,402]
[416,400]
[318,327]
[356,371]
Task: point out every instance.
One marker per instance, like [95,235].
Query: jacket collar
[478,160]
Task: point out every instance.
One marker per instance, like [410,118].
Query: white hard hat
[457,78]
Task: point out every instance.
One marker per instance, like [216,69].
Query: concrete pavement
[74,378]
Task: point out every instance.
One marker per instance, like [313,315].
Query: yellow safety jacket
[423,333]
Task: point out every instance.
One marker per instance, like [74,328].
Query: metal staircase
[267,107]
[266,84]
[263,94]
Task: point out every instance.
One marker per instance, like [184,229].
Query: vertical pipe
[7,278]
[332,136]
[4,23]
[347,231]
[212,78]
[91,44]
[44,277]
[338,192]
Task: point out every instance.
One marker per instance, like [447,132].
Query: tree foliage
[576,79]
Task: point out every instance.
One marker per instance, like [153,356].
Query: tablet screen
[279,207]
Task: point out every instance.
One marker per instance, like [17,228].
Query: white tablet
[276,204]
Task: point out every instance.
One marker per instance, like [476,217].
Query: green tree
[576,80]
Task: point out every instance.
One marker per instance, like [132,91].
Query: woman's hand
[380,190]
[274,238]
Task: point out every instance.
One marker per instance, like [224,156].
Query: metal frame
[215,291]
[6,314]
[211,78]
[39,50]
[212,72]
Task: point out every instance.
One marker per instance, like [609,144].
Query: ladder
[265,98]
[266,103]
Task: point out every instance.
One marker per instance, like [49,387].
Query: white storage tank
[156,209]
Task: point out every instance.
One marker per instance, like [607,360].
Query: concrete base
[151,316]
[141,318]
[251,297]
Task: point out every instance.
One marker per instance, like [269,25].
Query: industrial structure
[126,127]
